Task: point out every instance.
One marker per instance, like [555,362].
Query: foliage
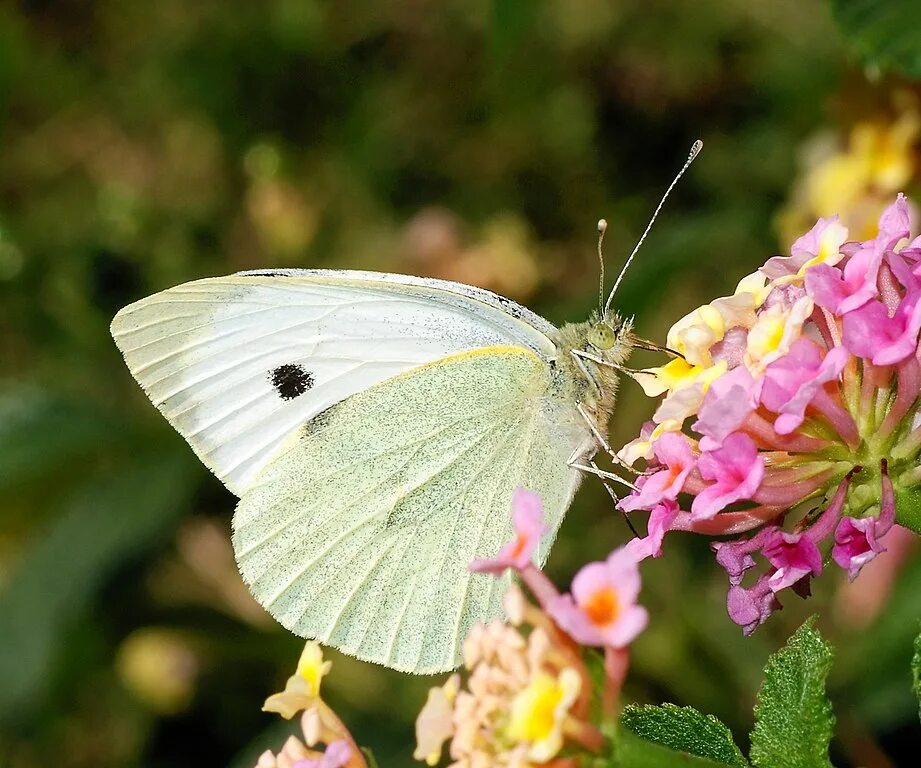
[884,32]
[682,729]
[793,719]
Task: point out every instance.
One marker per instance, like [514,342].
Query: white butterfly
[375,427]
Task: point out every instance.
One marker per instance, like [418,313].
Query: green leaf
[108,521]
[631,751]
[916,672]
[908,508]
[884,33]
[684,729]
[793,717]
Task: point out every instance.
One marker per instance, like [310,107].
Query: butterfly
[374,427]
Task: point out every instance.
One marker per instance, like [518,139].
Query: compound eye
[601,336]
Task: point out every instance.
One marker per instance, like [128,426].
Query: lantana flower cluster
[319,724]
[526,697]
[789,420]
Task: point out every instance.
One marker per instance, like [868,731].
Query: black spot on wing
[291,380]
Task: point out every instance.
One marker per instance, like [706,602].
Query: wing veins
[407,601]
[367,520]
[463,603]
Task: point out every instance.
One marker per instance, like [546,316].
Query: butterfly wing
[236,364]
[360,530]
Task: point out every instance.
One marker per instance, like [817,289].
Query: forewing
[360,531]
[237,363]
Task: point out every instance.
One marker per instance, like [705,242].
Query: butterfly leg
[616,501]
[580,355]
[590,421]
[589,377]
[593,469]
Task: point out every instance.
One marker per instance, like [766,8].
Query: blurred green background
[146,144]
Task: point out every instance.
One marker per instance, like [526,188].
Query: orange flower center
[519,546]
[603,607]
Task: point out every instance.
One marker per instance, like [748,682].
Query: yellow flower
[856,181]
[641,447]
[879,157]
[776,330]
[694,334]
[676,374]
[829,252]
[434,725]
[539,712]
[686,399]
[311,666]
[302,690]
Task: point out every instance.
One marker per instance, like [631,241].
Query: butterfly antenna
[695,150]
[602,228]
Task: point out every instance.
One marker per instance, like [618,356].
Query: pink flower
[737,468]
[794,555]
[870,332]
[810,389]
[857,539]
[673,451]
[856,544]
[659,523]
[337,755]
[602,608]
[843,291]
[750,608]
[728,403]
[820,244]
[791,382]
[528,518]
[736,556]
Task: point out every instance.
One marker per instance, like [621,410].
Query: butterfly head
[602,336]
[606,332]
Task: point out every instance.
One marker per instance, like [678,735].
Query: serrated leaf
[684,729]
[793,717]
[631,751]
[916,672]
[109,520]
[885,33]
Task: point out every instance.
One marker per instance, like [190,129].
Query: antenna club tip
[695,149]
[602,225]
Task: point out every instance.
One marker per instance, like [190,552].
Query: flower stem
[584,733]
[616,664]
[910,477]
[838,417]
[908,446]
[763,431]
[541,587]
[727,523]
[906,395]
[791,493]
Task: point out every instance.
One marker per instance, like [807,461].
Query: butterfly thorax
[606,337]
